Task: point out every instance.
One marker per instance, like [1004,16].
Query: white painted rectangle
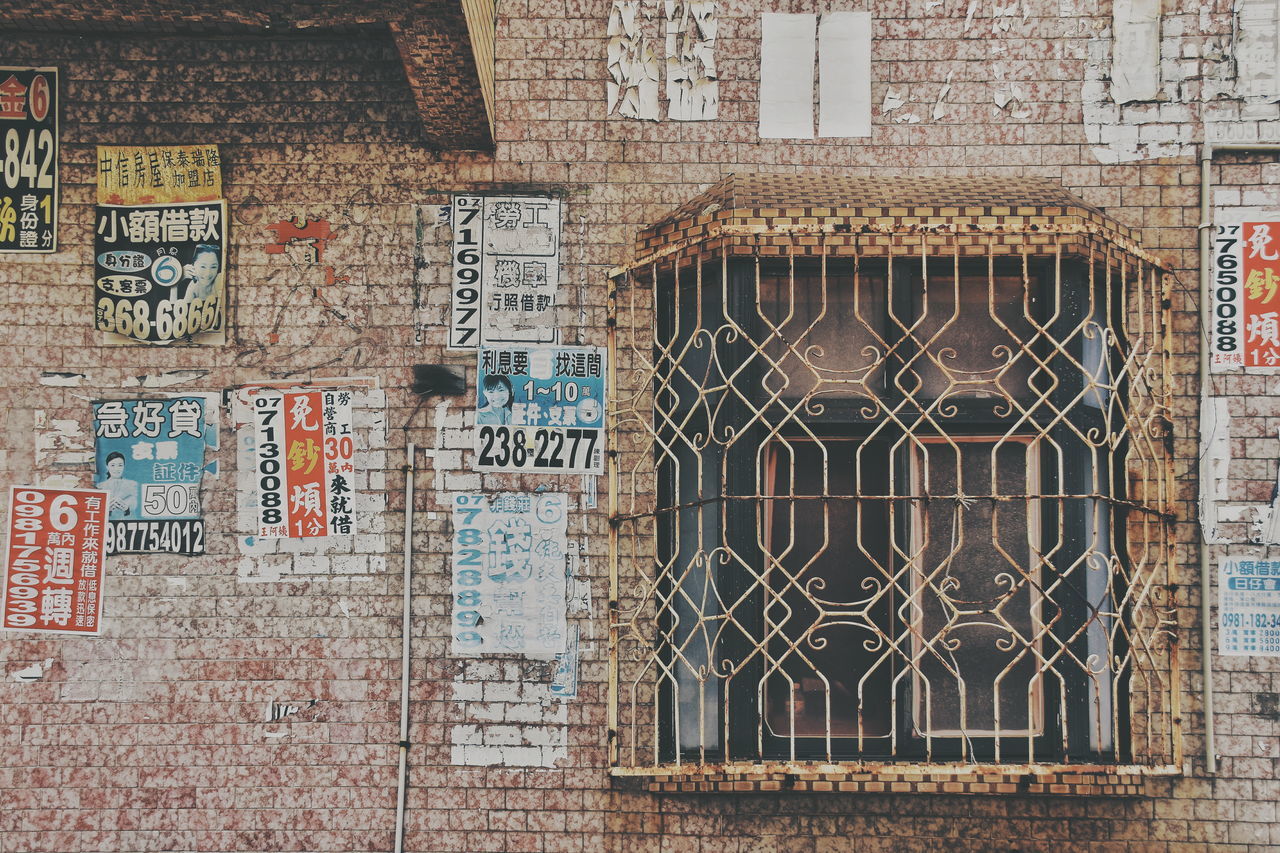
[1135,54]
[787,48]
[844,74]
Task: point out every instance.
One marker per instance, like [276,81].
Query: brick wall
[159,735]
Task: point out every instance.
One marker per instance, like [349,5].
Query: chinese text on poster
[160,241]
[540,409]
[1249,607]
[506,268]
[304,454]
[29,127]
[54,560]
[150,458]
[509,574]
[1245,327]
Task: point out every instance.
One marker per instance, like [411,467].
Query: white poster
[1249,608]
[509,574]
[506,269]
[787,48]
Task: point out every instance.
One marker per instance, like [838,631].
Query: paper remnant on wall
[632,63]
[1135,56]
[787,51]
[693,90]
[844,74]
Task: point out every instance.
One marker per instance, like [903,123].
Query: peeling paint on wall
[693,90]
[62,380]
[60,442]
[632,63]
[515,721]
[34,672]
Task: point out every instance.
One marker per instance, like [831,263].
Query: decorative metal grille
[881,497]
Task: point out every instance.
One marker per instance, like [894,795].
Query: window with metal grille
[890,492]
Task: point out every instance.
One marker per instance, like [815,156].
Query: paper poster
[509,574]
[788,47]
[540,409]
[1249,608]
[54,560]
[150,460]
[1245,327]
[160,272]
[160,241]
[150,174]
[304,463]
[506,268]
[29,189]
[844,74]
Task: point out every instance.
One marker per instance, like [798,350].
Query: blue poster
[150,459]
[540,408]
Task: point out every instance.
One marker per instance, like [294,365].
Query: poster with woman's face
[160,272]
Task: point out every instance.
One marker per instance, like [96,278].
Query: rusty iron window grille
[907,506]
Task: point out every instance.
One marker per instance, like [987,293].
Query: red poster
[54,560]
[1260,273]
[304,465]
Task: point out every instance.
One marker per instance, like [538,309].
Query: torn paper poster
[29,105]
[506,270]
[1245,329]
[693,90]
[632,64]
[1249,607]
[564,681]
[788,46]
[54,560]
[1258,49]
[844,74]
[1135,52]
[150,460]
[304,455]
[540,409]
[509,574]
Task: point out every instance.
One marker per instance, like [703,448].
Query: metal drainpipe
[1206,322]
[405,633]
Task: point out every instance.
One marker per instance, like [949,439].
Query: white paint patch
[632,64]
[1135,51]
[893,99]
[1215,458]
[844,74]
[62,380]
[788,46]
[516,724]
[34,672]
[939,106]
[164,380]
[61,442]
[693,90]
[1258,50]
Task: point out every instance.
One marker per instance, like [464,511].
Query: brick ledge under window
[1077,780]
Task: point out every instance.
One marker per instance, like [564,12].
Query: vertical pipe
[405,635]
[1206,319]
[611,457]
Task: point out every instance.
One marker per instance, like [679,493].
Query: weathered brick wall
[157,736]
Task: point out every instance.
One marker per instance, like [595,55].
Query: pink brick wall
[157,735]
